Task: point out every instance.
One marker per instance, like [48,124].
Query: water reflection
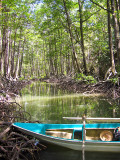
[49,104]
[59,153]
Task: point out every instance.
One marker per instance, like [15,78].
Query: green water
[49,104]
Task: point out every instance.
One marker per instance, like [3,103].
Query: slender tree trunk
[61,60]
[13,54]
[5,40]
[68,62]
[32,64]
[118,12]
[56,57]
[44,53]
[0,52]
[18,58]
[61,56]
[1,55]
[4,50]
[71,37]
[116,29]
[10,48]
[10,52]
[21,59]
[110,39]
[82,36]
[51,60]
[118,19]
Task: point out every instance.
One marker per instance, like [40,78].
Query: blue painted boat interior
[41,128]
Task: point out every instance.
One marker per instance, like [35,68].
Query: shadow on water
[60,153]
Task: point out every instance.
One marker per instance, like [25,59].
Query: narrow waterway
[48,104]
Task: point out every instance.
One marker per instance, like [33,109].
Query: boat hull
[88,145]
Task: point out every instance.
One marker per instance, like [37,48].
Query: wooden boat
[90,137]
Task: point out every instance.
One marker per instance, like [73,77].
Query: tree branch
[91,16]
[101,6]
[4,132]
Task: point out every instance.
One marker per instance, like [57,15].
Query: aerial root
[15,145]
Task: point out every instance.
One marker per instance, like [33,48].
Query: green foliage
[114,80]
[86,79]
[33,77]
[39,29]
[21,78]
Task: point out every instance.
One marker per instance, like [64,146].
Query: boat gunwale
[48,136]
[70,140]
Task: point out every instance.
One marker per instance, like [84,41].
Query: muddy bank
[106,88]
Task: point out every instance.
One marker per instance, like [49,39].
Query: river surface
[48,104]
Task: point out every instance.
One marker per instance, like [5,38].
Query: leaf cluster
[86,79]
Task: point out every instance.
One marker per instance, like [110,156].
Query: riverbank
[9,89]
[105,88]
[13,144]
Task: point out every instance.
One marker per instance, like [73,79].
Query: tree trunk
[5,51]
[110,39]
[0,52]
[61,56]
[10,53]
[18,58]
[116,29]
[5,40]
[118,19]
[71,38]
[118,12]
[1,55]
[21,59]
[56,57]
[44,53]
[82,36]
[13,54]
[51,60]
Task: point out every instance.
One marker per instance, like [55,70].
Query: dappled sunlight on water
[45,98]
